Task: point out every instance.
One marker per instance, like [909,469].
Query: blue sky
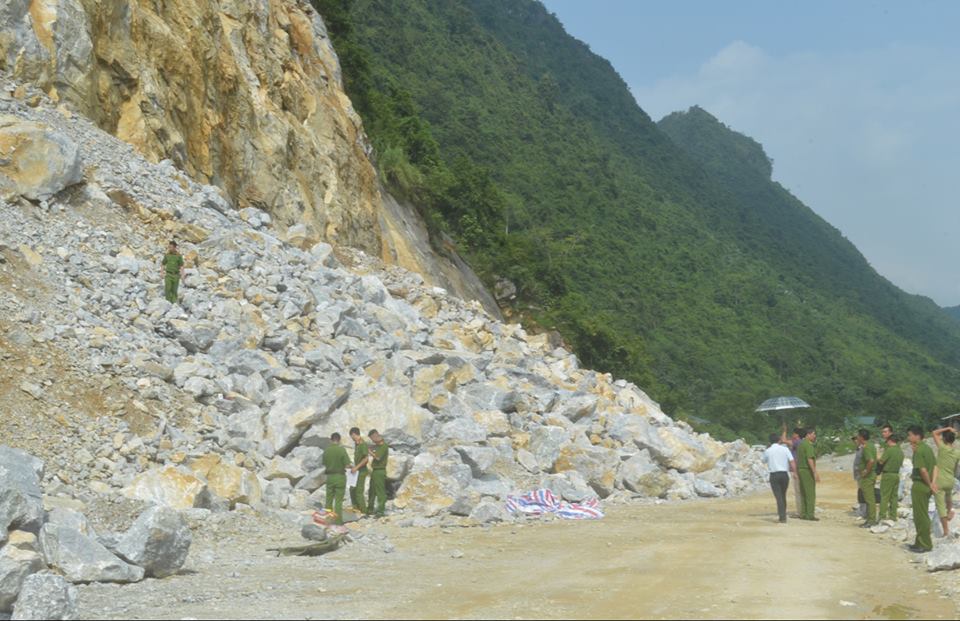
[857,102]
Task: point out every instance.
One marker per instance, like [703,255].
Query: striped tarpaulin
[543,501]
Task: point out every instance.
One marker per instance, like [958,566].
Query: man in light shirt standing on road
[780,463]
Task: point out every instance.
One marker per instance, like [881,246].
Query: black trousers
[779,483]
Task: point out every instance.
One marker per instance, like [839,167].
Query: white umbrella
[782,403]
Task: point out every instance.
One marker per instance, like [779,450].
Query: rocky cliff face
[246,96]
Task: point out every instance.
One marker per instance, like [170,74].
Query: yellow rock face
[168,486]
[423,492]
[234,484]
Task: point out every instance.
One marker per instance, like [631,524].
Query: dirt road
[708,559]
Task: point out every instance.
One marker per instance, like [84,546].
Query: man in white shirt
[780,463]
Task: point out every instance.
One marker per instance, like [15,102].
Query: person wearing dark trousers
[780,463]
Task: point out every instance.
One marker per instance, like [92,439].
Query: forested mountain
[953,311]
[662,253]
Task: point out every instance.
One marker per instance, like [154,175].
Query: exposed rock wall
[244,95]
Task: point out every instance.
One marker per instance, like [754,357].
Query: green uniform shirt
[380,453]
[923,458]
[806,451]
[947,458]
[335,459]
[869,454]
[172,263]
[892,459]
[360,451]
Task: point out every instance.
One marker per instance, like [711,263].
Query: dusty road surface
[706,559]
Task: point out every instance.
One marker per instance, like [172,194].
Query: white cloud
[868,139]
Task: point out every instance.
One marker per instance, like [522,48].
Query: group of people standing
[366,458]
[933,475]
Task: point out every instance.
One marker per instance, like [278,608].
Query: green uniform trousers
[808,489]
[336,486]
[171,283]
[868,486]
[356,493]
[920,498]
[377,500]
[889,485]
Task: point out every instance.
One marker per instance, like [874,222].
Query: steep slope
[230,395]
[245,96]
[650,261]
[953,311]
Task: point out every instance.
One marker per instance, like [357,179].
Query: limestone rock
[158,541]
[21,499]
[168,486]
[598,465]
[313,532]
[569,485]
[479,458]
[641,474]
[234,484]
[84,559]
[945,556]
[546,441]
[15,565]
[36,162]
[294,411]
[376,406]
[489,511]
[46,595]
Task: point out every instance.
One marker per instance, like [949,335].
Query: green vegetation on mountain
[664,254]
[953,311]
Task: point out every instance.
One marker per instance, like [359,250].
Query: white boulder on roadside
[158,541]
[46,595]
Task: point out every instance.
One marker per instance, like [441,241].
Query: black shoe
[918,549]
[867,525]
[783,521]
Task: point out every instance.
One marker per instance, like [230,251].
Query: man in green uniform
[377,500]
[335,464]
[808,475]
[172,266]
[868,476]
[360,458]
[923,487]
[891,461]
[947,457]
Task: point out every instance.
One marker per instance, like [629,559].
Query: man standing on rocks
[868,477]
[377,500]
[780,463]
[923,487]
[890,461]
[808,475]
[172,266]
[361,455]
[335,464]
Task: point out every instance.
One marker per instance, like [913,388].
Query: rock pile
[62,539]
[273,346]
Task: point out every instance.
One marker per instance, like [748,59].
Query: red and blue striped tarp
[543,501]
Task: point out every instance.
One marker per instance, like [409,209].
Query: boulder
[83,559]
[569,485]
[545,444]
[945,556]
[158,541]
[464,504]
[294,411]
[234,484]
[21,499]
[479,458]
[705,489]
[313,532]
[373,405]
[490,511]
[597,464]
[46,595]
[529,462]
[425,380]
[580,405]
[642,475]
[72,519]
[36,161]
[15,565]
[463,430]
[173,487]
